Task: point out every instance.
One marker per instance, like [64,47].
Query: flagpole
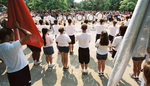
[18,34]
[127,46]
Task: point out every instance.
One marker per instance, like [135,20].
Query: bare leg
[37,55]
[47,59]
[86,65]
[50,59]
[72,47]
[139,67]
[135,65]
[103,65]
[66,59]
[99,65]
[62,58]
[82,66]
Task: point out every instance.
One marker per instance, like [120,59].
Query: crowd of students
[65,39]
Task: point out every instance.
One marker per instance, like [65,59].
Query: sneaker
[137,77]
[132,76]
[99,73]
[83,71]
[65,68]
[51,65]
[37,63]
[71,53]
[86,71]
[102,74]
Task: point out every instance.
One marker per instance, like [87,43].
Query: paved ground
[42,76]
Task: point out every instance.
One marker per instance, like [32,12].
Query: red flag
[18,11]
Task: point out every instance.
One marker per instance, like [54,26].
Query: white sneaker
[37,63]
[82,70]
[51,65]
[86,71]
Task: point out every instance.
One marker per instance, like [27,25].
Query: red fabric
[18,11]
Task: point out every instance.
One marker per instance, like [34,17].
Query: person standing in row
[55,28]
[83,52]
[99,28]
[63,46]
[102,51]
[12,55]
[70,29]
[112,33]
[118,39]
[48,47]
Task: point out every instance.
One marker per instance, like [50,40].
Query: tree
[128,4]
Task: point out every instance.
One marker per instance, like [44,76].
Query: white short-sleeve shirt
[70,29]
[99,28]
[102,50]
[113,30]
[40,27]
[13,56]
[56,27]
[84,40]
[49,41]
[116,42]
[63,40]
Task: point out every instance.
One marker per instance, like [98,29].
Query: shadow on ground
[68,79]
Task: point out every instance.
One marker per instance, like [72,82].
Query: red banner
[18,11]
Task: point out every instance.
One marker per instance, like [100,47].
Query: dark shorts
[113,53]
[20,78]
[72,39]
[63,49]
[101,57]
[84,55]
[138,58]
[33,48]
[48,50]
[111,38]
[97,36]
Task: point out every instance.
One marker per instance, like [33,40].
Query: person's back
[70,29]
[12,54]
[84,39]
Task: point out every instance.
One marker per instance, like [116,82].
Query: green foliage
[128,4]
[83,5]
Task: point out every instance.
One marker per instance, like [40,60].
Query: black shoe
[71,53]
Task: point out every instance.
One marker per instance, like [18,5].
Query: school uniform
[48,48]
[112,32]
[116,44]
[70,29]
[99,29]
[16,62]
[63,42]
[102,51]
[83,51]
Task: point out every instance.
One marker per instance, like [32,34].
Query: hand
[17,25]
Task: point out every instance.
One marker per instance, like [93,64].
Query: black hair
[84,26]
[55,21]
[44,31]
[114,23]
[41,22]
[4,32]
[104,38]
[101,21]
[86,21]
[122,30]
[61,30]
[69,21]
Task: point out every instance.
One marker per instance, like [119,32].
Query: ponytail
[44,31]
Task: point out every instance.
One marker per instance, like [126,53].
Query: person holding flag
[12,55]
